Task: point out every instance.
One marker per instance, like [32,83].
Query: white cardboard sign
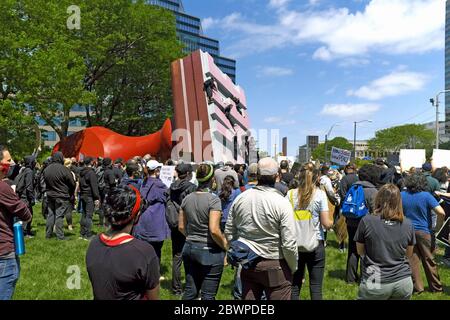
[441,158]
[412,158]
[166,175]
[340,156]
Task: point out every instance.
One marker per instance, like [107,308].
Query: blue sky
[308,64]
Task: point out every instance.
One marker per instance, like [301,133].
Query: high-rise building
[190,33]
[285,145]
[312,142]
[447,67]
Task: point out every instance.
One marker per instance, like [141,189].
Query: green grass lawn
[44,270]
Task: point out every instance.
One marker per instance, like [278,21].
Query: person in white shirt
[263,219]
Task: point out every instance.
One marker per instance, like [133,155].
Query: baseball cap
[153,165]
[427,167]
[267,167]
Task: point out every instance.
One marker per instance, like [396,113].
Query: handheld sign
[340,156]
[441,158]
[166,175]
[412,158]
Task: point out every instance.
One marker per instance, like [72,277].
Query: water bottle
[19,239]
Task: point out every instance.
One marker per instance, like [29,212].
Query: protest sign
[412,158]
[166,175]
[441,158]
[340,156]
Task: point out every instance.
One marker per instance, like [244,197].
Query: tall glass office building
[190,32]
[447,67]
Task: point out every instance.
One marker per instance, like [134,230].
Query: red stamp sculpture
[102,142]
[211,122]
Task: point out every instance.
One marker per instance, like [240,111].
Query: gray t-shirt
[197,207]
[385,243]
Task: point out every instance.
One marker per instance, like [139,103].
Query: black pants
[27,225]
[45,206]
[315,262]
[68,214]
[101,215]
[178,241]
[86,216]
[353,256]
[56,210]
[157,246]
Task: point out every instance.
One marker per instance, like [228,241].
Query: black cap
[183,168]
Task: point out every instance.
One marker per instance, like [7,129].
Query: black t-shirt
[122,272]
[385,243]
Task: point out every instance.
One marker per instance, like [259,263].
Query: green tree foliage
[338,142]
[409,136]
[117,63]
[16,129]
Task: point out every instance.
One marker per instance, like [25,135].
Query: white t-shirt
[319,204]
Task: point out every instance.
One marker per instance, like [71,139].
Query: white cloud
[322,54]
[314,2]
[209,22]
[387,26]
[349,110]
[274,72]
[394,84]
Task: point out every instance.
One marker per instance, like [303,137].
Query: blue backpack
[354,205]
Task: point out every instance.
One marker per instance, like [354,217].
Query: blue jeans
[9,274]
[204,267]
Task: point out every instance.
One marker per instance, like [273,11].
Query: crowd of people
[268,223]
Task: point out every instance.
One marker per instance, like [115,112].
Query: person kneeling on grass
[121,267]
[385,241]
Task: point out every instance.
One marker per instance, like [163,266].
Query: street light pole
[436,104]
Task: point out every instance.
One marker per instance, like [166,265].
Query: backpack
[19,181]
[172,212]
[354,205]
[101,178]
[306,229]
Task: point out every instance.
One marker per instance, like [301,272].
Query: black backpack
[19,181]
[101,178]
[172,212]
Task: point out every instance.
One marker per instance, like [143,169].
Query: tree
[15,125]
[117,64]
[338,142]
[409,136]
